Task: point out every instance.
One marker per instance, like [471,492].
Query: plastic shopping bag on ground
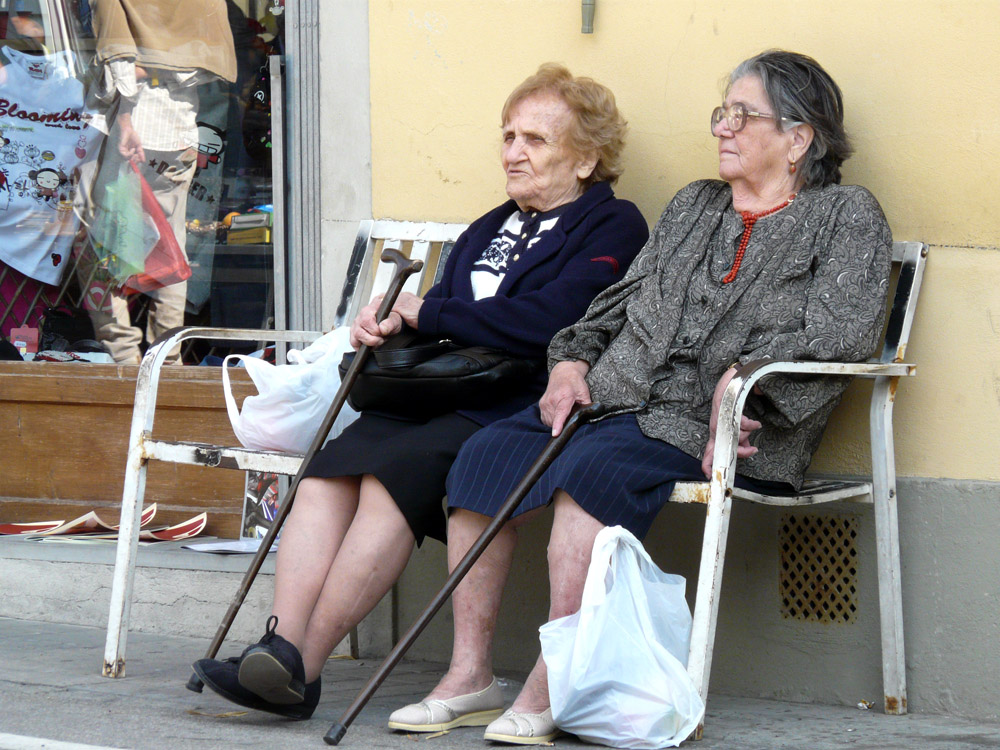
[616,668]
[291,400]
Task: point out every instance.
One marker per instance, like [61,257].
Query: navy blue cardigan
[549,288]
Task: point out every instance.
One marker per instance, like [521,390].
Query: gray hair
[800,90]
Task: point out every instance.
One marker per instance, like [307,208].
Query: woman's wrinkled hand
[408,308]
[747,425]
[364,329]
[567,387]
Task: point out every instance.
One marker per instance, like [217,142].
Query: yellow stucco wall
[920,80]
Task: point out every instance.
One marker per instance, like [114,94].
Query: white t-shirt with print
[44,137]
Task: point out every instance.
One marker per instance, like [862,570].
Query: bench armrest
[753,371]
[148,381]
[742,383]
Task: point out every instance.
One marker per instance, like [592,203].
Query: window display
[135,166]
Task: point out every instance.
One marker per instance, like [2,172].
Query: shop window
[135,172]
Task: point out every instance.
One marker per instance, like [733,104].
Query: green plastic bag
[121,234]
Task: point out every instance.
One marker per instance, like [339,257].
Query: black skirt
[410,459]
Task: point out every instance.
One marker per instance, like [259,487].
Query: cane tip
[335,735]
[194,684]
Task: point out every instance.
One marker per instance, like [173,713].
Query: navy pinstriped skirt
[612,471]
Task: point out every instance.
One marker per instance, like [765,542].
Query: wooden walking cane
[552,449]
[404,269]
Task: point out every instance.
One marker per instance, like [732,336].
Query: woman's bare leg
[570,545]
[370,559]
[476,601]
[310,539]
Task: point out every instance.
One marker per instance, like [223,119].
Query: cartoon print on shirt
[211,144]
[23,186]
[9,152]
[48,182]
[32,155]
[5,194]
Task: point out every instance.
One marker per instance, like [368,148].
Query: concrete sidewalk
[52,696]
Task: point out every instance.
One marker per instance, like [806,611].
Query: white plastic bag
[616,668]
[292,399]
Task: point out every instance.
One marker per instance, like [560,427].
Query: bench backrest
[432,242]
[366,276]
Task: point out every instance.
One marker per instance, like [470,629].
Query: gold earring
[791,168]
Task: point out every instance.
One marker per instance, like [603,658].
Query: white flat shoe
[472,710]
[523,729]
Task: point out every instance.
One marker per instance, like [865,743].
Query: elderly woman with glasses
[776,260]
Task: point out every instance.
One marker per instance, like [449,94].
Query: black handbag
[418,378]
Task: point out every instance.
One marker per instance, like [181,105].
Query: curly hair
[800,90]
[597,123]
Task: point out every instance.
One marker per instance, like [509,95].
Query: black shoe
[222,677]
[272,668]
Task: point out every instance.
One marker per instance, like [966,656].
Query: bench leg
[124,573]
[887,546]
[706,607]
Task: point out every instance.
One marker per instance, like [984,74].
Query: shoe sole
[264,676]
[289,712]
[513,739]
[475,719]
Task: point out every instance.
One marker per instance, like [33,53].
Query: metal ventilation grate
[819,568]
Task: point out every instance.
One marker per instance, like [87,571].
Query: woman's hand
[566,388]
[364,329]
[408,308]
[747,425]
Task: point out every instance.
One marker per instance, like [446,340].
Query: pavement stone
[52,696]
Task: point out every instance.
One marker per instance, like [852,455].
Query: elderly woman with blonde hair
[514,278]
[775,260]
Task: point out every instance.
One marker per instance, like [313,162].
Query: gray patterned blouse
[812,286]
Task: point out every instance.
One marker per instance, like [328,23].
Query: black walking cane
[404,269]
[552,449]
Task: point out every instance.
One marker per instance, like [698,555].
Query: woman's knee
[573,532]
[328,487]
[323,495]
[462,522]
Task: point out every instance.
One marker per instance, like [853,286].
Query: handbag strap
[394,359]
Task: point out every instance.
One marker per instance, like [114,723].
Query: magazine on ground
[91,527]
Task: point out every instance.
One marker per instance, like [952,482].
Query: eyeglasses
[736,116]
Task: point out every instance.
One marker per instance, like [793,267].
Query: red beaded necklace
[749,219]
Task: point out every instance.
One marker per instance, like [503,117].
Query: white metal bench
[880,491]
[717,495]
[430,242]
